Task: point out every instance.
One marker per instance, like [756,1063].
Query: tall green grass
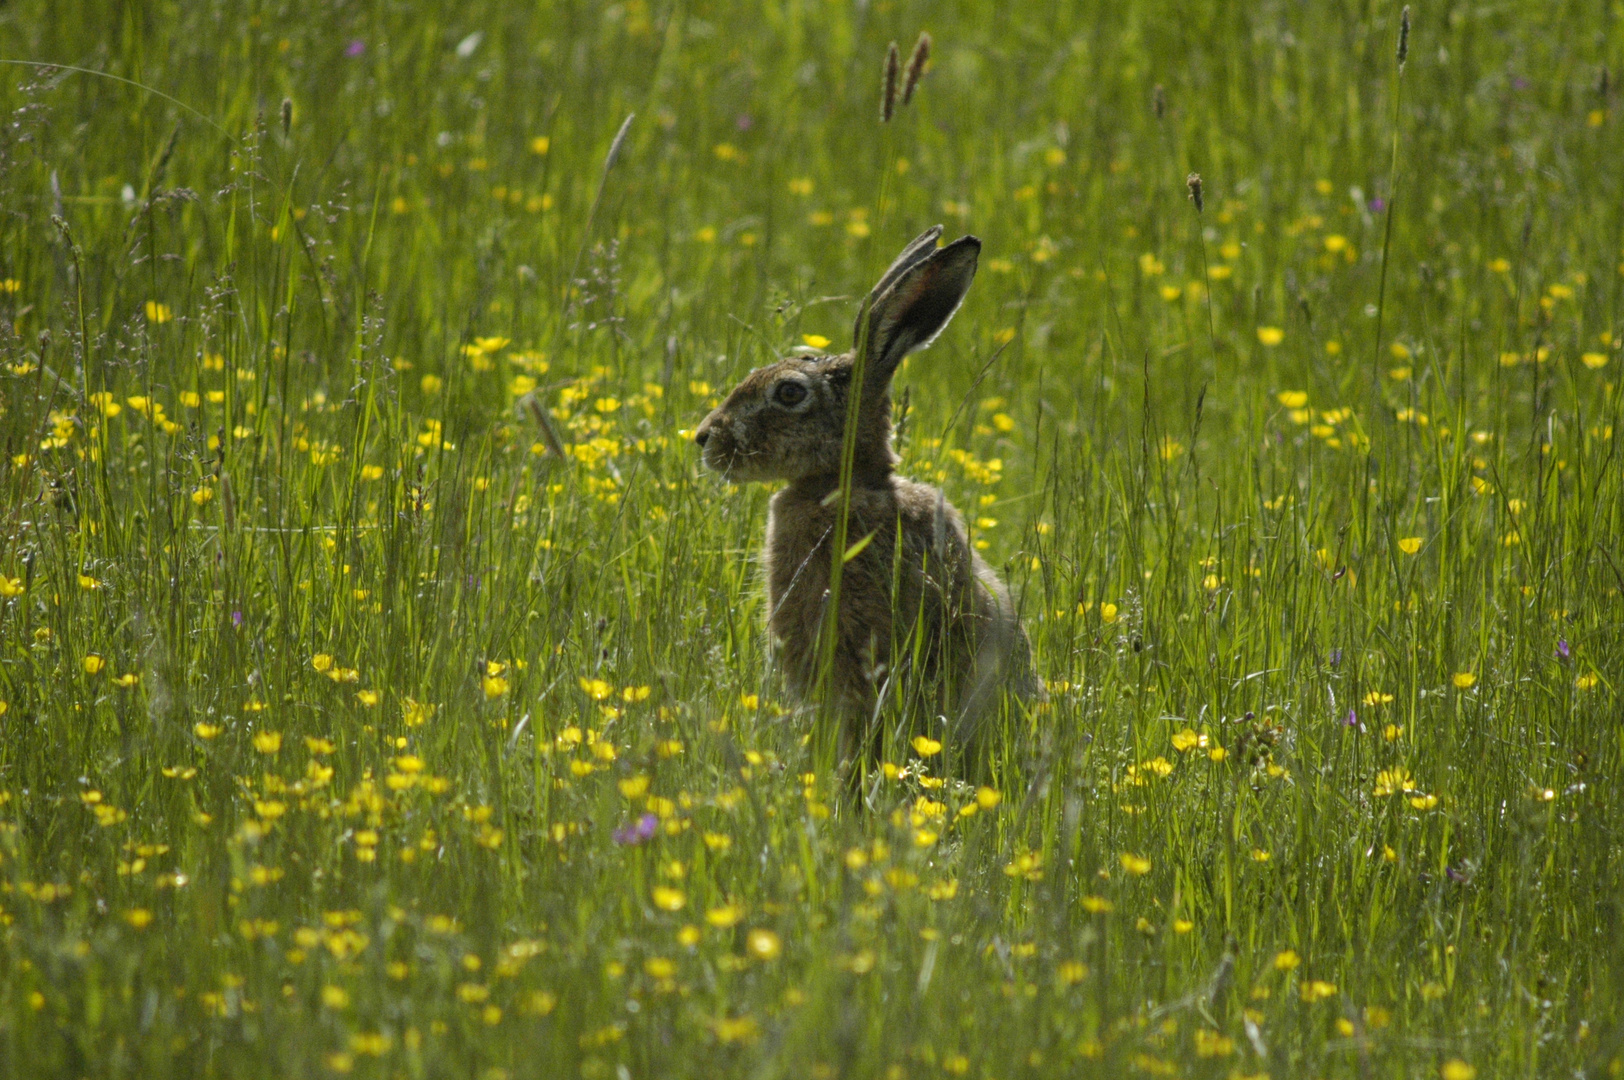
[327,686]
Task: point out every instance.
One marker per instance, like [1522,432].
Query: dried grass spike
[531,405]
[1193,182]
[916,66]
[620,140]
[1403,37]
[888,90]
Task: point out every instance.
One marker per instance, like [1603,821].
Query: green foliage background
[325,684]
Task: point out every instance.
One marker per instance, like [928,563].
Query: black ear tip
[964,248]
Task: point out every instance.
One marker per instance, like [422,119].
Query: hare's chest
[795,561]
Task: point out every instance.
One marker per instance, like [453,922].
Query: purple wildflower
[1562,650]
[1377,205]
[637,831]
[355,48]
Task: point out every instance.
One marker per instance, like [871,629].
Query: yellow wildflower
[926,747]
[724,916]
[764,944]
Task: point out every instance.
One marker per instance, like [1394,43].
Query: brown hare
[923,619]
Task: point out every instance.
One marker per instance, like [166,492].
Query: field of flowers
[383,684]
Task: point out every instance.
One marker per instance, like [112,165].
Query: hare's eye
[789,393]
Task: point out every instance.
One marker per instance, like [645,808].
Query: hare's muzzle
[722,445]
[713,452]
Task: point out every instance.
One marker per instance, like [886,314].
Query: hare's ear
[914,300]
[918,250]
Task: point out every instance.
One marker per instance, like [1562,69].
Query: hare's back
[928,519]
[938,545]
[979,596]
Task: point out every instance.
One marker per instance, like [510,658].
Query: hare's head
[785,421]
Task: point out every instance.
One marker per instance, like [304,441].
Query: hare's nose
[702,435]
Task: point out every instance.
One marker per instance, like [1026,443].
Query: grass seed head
[1403,36]
[916,66]
[1193,182]
[888,87]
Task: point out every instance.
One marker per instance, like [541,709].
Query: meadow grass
[347,728]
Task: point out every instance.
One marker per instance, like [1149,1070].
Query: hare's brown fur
[922,616]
